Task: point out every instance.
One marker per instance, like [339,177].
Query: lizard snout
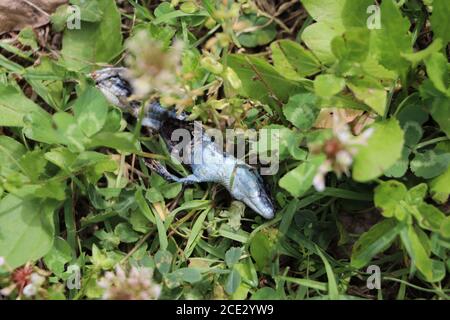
[261,204]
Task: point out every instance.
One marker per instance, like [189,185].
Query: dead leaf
[18,14]
[325,118]
[362,122]
[161,209]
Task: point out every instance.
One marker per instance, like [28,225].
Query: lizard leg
[163,172]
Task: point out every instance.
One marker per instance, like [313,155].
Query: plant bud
[233,79]
[212,65]
[189,7]
[224,39]
[210,23]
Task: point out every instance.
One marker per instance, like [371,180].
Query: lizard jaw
[261,205]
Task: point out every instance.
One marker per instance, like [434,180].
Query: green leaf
[94,42]
[333,291]
[261,81]
[10,152]
[26,229]
[101,259]
[318,38]
[89,10]
[162,232]
[292,60]
[393,38]
[438,268]
[166,14]
[108,240]
[122,141]
[377,239]
[424,54]
[248,272]
[445,227]
[328,85]
[308,283]
[262,248]
[265,293]
[413,110]
[417,251]
[126,233]
[440,187]
[300,179]
[232,256]
[91,110]
[27,37]
[430,164]
[383,149]
[431,217]
[437,70]
[325,10]
[58,256]
[143,206]
[440,112]
[301,110]
[354,13]
[163,261]
[388,196]
[400,166]
[42,128]
[233,281]
[47,81]
[14,105]
[33,164]
[263,32]
[413,133]
[275,138]
[416,194]
[171,190]
[370,92]
[154,195]
[196,233]
[60,17]
[439,19]
[189,275]
[352,46]
[70,134]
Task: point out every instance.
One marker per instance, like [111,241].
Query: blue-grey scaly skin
[213,165]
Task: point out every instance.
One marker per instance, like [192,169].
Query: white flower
[339,151]
[30,290]
[344,158]
[2,261]
[8,290]
[154,68]
[37,280]
[137,284]
[319,182]
[319,178]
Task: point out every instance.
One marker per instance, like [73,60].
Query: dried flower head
[22,276]
[154,69]
[137,284]
[339,150]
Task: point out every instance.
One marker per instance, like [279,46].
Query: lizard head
[114,85]
[248,187]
